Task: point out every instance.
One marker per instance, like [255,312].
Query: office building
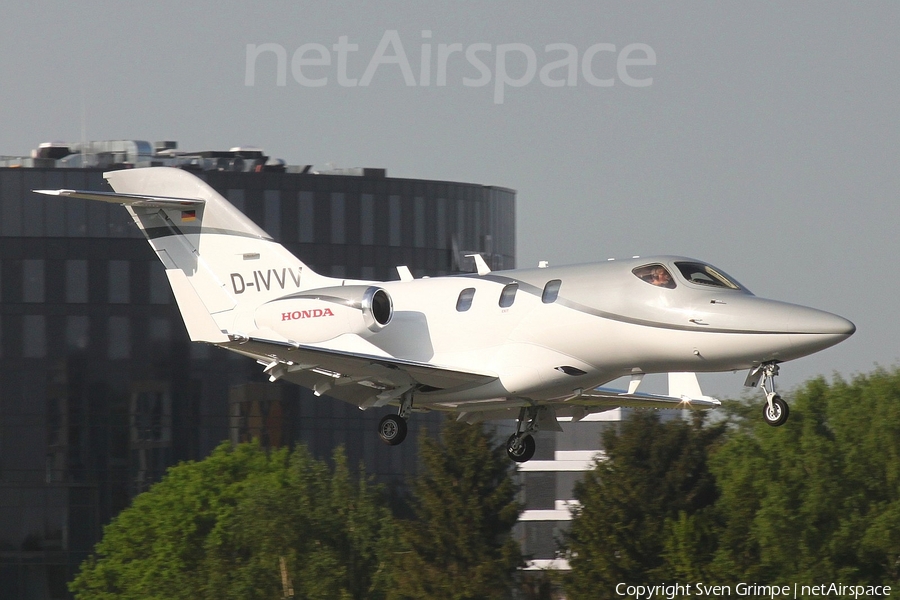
[100,389]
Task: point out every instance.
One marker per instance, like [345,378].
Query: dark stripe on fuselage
[154,233]
[537,291]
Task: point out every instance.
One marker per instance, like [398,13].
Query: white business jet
[531,344]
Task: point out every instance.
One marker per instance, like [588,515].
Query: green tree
[459,545]
[818,498]
[653,481]
[222,527]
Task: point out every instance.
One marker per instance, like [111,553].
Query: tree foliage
[817,499]
[459,543]
[655,474]
[221,528]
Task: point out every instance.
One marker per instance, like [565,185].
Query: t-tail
[220,264]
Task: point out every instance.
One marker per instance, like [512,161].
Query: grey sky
[767,143]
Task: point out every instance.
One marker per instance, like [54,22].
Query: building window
[77,332]
[160,291]
[464,302]
[395,225]
[119,282]
[461,224]
[272,213]
[150,415]
[367,220]
[442,223]
[33,280]
[419,224]
[76,214]
[338,233]
[160,329]
[11,207]
[119,336]
[34,336]
[551,291]
[307,217]
[76,281]
[508,295]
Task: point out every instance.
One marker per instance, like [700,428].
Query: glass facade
[101,389]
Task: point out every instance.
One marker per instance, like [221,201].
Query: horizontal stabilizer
[135,200]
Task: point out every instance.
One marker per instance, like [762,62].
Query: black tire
[779,413]
[392,430]
[523,452]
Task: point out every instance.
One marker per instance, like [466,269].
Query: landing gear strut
[776,410]
[520,446]
[392,429]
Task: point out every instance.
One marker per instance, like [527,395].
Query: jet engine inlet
[377,308]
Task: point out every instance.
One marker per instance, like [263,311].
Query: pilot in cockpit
[657,275]
[661,277]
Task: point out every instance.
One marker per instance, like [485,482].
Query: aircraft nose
[814,330]
[811,320]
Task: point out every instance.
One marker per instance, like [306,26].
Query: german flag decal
[188,215]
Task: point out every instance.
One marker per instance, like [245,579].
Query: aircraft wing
[361,379]
[608,398]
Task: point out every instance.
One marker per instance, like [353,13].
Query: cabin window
[655,274]
[551,291]
[705,275]
[464,302]
[508,295]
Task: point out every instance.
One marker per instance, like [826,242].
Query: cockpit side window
[706,275]
[655,274]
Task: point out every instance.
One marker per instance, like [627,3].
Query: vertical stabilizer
[231,264]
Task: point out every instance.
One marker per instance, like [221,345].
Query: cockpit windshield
[706,275]
[655,274]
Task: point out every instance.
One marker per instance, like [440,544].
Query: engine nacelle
[325,313]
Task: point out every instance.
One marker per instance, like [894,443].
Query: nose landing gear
[776,410]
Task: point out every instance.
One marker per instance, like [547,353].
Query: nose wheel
[776,410]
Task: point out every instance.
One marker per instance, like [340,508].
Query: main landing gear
[776,410]
[520,446]
[392,429]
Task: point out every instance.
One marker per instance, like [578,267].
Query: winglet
[404,273]
[482,267]
[685,385]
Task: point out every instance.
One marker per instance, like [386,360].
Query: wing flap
[609,398]
[135,200]
[368,369]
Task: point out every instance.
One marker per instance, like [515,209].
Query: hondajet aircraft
[531,344]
